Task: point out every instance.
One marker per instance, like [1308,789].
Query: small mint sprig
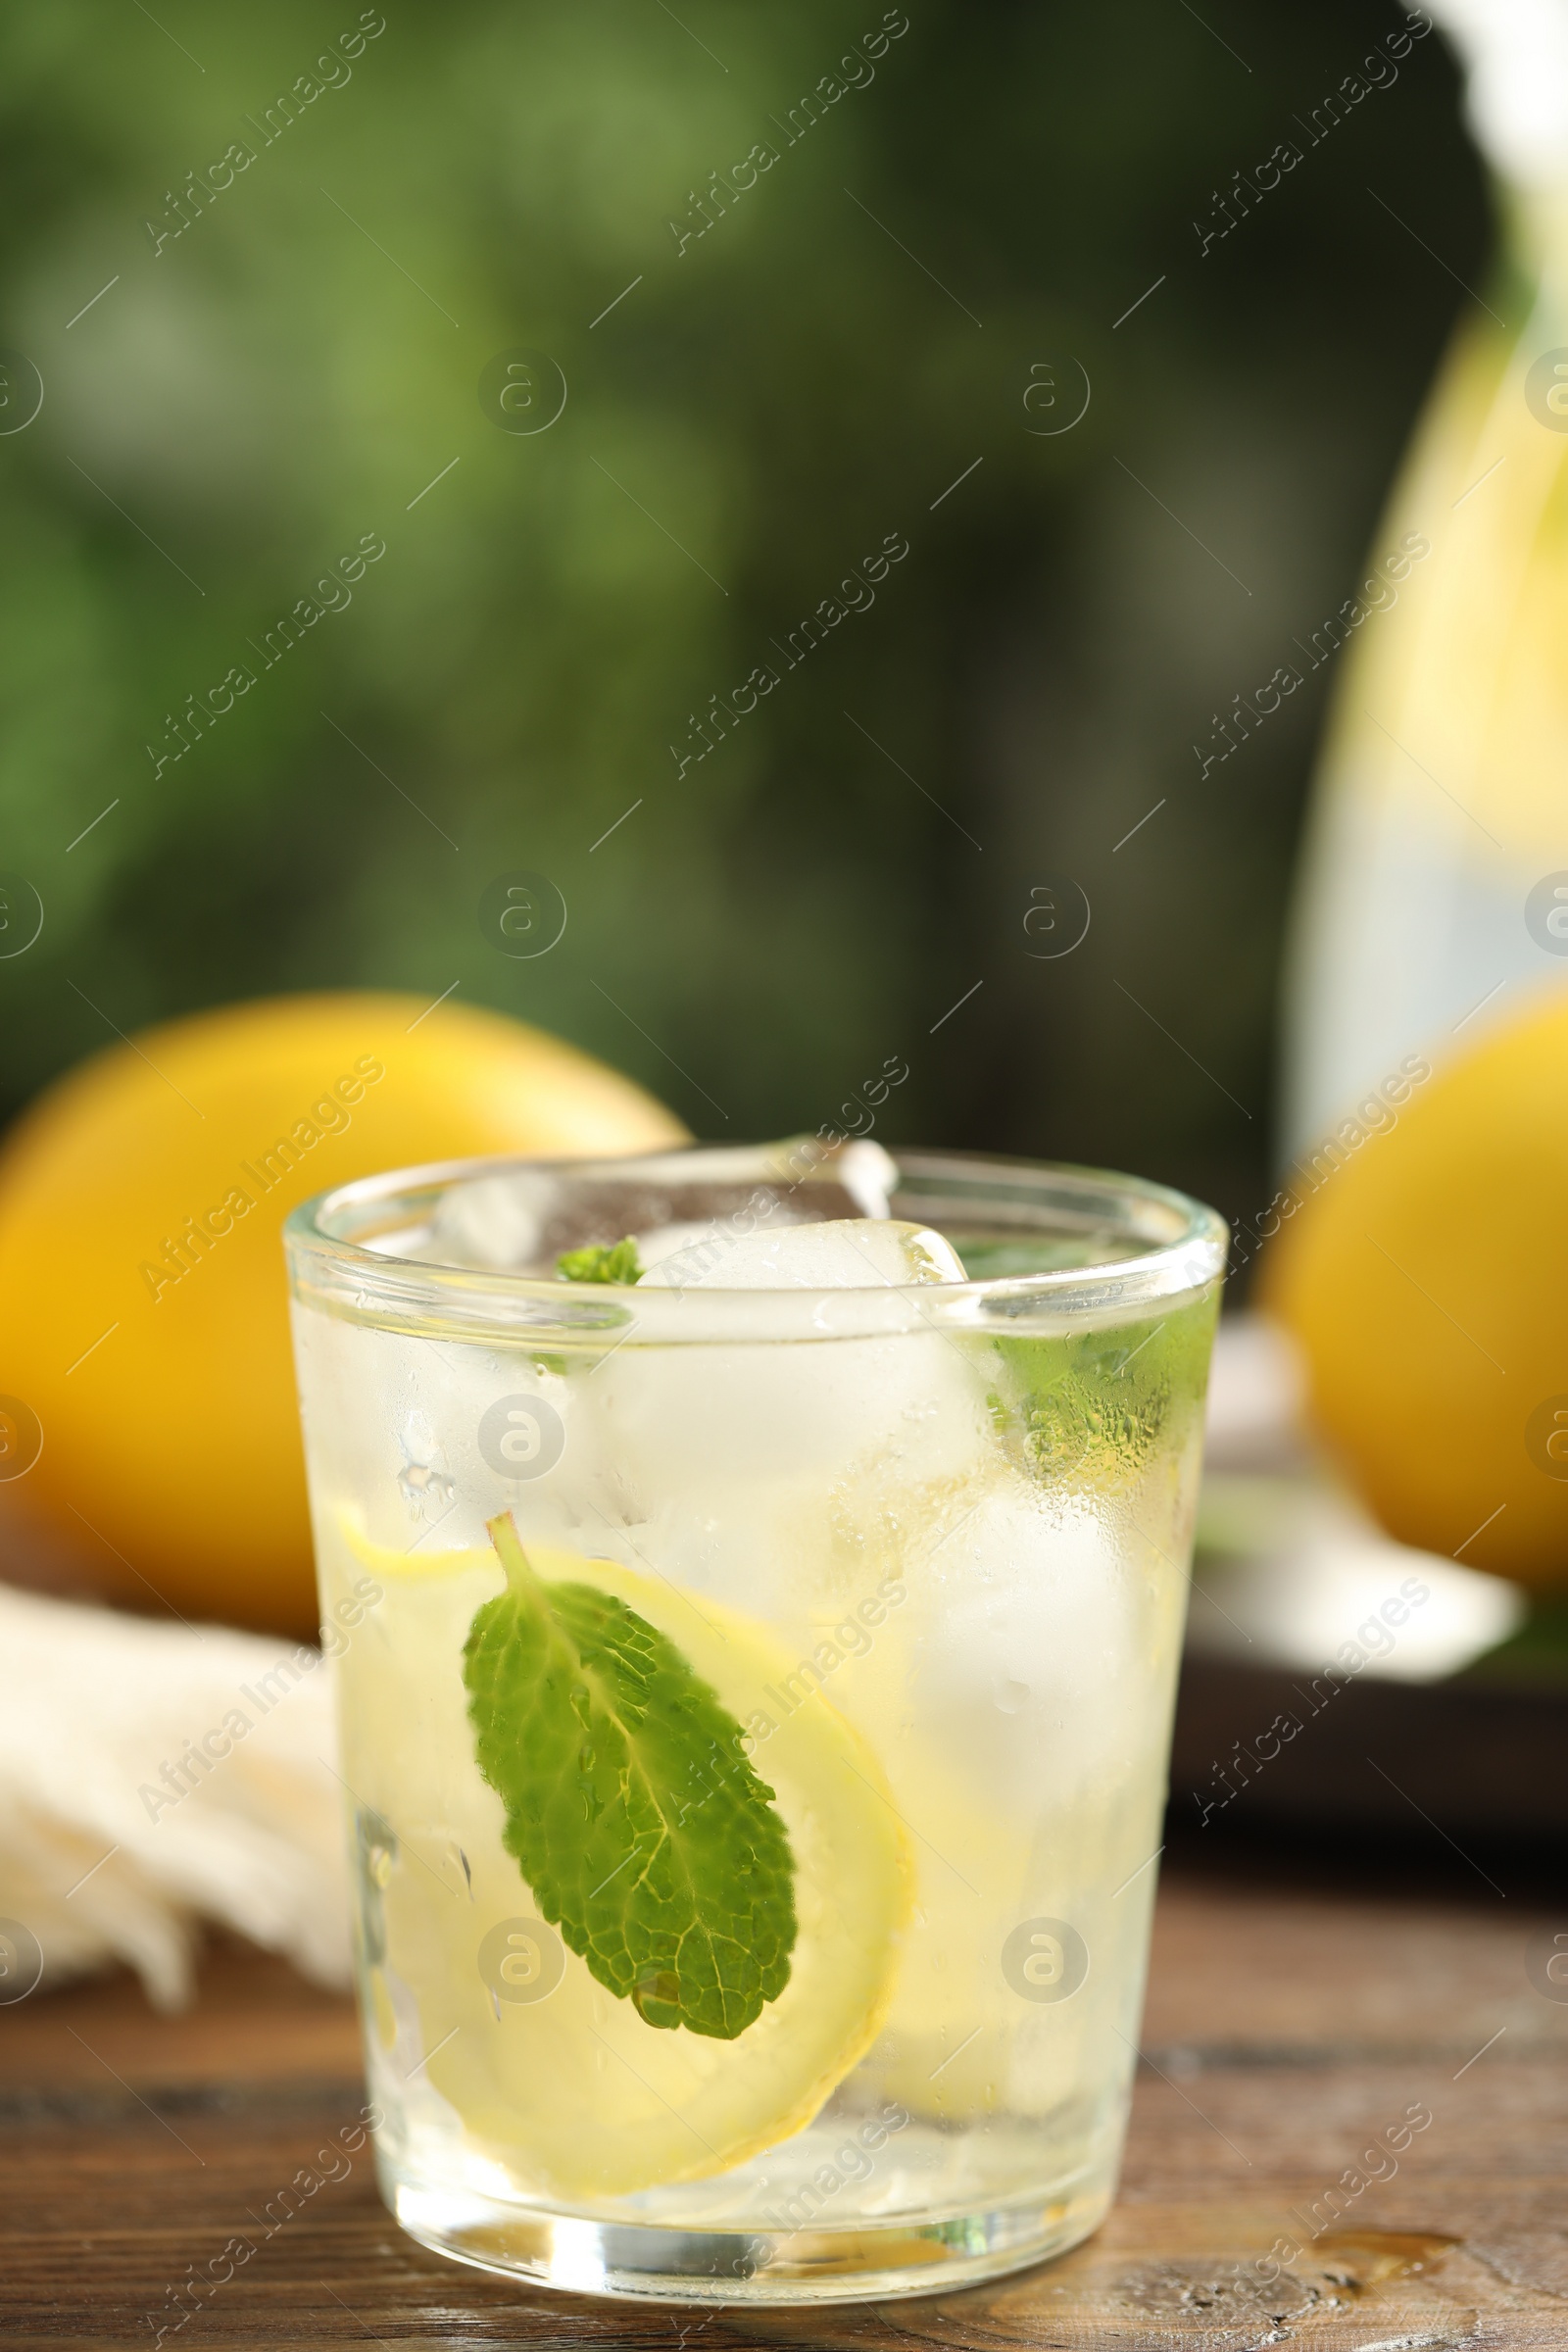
[602,1261]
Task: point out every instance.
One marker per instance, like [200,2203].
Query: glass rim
[1171,1251]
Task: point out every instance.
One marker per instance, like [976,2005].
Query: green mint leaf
[602,1261]
[631,1810]
[1095,1408]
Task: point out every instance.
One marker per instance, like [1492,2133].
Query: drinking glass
[754,1705]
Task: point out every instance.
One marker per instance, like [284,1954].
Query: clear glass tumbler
[755,1710]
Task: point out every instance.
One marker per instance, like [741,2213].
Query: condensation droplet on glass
[423,1481]
[376,1846]
[422,1485]
[379,1847]
[1009,1694]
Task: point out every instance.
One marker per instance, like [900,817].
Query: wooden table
[1288,2024]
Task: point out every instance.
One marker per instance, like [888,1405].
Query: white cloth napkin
[156,1776]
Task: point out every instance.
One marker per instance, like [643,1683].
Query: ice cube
[844,1254]
[740,1457]
[798,1165]
[867,1173]
[703,1237]
[1025,1634]
[519,1221]
[1018,1700]
[493,1220]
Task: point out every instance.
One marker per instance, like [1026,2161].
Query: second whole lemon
[145,1348]
[1424,1275]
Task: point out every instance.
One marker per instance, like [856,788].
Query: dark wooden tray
[1480,1759]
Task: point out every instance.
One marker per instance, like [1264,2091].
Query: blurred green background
[761,408]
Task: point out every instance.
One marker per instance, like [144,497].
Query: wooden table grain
[1288,2027]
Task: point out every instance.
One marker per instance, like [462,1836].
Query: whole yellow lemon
[1426,1276]
[145,1333]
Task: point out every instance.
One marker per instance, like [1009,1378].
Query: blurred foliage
[754,416]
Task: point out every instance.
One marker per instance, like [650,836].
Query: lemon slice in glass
[562,2089]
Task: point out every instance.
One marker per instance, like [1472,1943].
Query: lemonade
[773,1570]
